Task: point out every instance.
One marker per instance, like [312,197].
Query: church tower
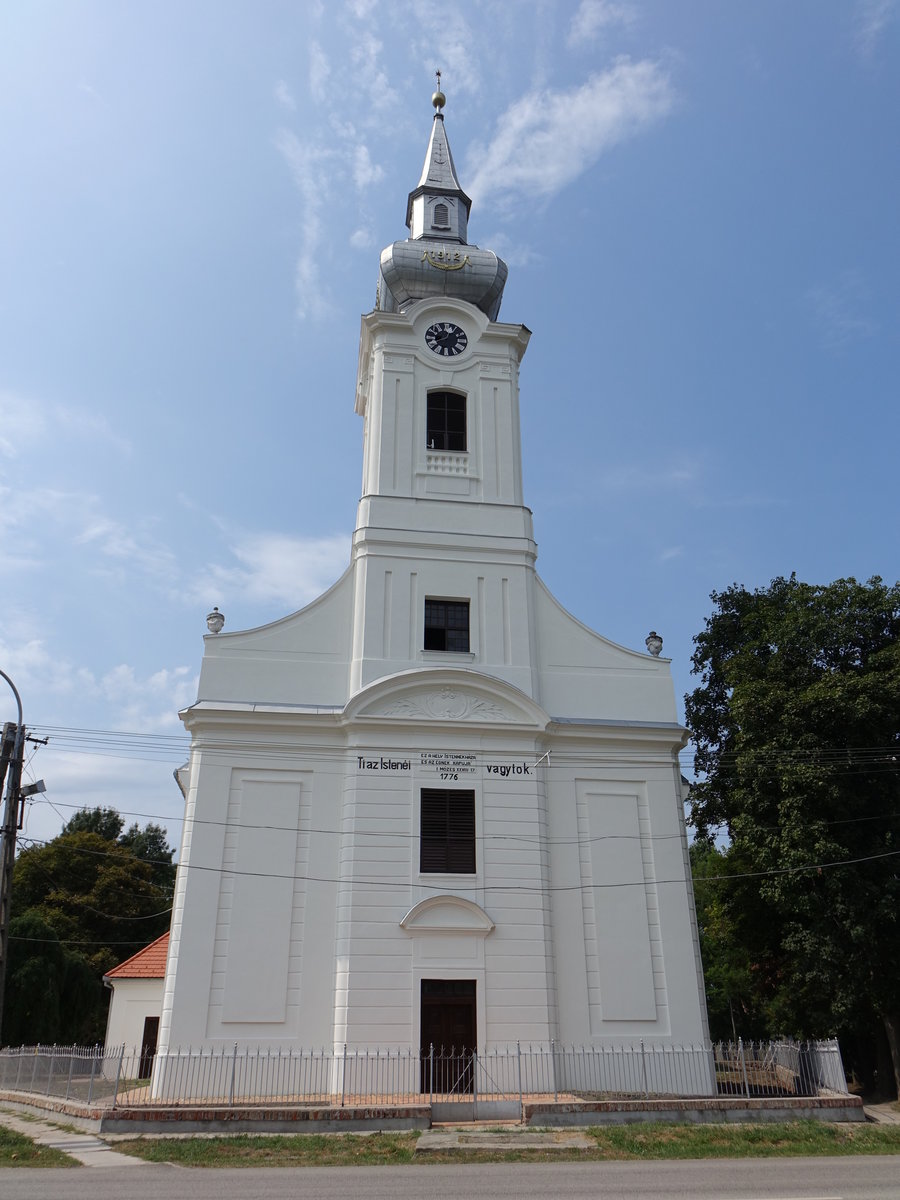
[433,807]
[442,466]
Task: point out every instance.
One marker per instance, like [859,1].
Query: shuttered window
[441,219]
[447,832]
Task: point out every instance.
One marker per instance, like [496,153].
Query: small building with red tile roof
[136,1001]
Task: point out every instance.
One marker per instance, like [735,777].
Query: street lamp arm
[16,694]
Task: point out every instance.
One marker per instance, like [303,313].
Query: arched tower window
[441,217]
[446,421]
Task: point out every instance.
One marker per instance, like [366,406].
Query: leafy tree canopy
[98,896]
[103,821]
[796,726]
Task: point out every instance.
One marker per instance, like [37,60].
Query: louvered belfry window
[441,219]
[447,833]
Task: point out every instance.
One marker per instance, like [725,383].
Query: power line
[150,746]
[233,872]
[528,839]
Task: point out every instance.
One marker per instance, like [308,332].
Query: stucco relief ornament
[447,705]
[450,702]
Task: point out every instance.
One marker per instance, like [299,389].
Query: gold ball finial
[438,99]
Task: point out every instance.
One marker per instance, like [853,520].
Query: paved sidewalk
[467,1138]
[882,1114]
[85,1147]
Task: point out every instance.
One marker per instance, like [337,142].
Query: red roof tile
[149,963]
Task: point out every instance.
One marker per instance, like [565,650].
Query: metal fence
[241,1075]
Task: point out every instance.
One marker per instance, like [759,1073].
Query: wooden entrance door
[148,1045]
[449,1036]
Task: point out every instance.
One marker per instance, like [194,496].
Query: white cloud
[630,477]
[595,16]
[362,239]
[671,552]
[444,39]
[273,568]
[305,164]
[548,139]
[140,788]
[872,18]
[319,70]
[365,53]
[36,669]
[365,172]
[837,310]
[21,424]
[514,254]
[149,703]
[285,96]
[25,421]
[34,516]
[90,427]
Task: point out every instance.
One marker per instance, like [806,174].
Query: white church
[433,807]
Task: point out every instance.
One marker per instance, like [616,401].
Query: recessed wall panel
[259,924]
[616,913]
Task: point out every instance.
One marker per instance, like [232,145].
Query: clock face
[446,339]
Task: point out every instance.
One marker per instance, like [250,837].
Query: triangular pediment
[466,697]
[447,914]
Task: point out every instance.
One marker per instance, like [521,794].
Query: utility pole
[12,753]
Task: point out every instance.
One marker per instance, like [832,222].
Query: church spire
[438,208]
[437,259]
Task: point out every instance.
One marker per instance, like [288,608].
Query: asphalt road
[852,1178]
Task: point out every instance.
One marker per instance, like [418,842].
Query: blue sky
[699,206]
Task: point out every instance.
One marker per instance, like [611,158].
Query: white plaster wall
[255,894]
[380,967]
[301,659]
[131,1002]
[583,675]
[625,942]
[298,866]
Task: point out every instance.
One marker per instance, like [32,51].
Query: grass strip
[612,1142]
[744,1141]
[16,1150]
[277,1150]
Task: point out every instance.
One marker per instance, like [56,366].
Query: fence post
[118,1076]
[344,1076]
[474,1085]
[71,1065]
[233,1072]
[93,1069]
[521,1098]
[644,1070]
[744,1067]
[50,1070]
[431,1074]
[553,1068]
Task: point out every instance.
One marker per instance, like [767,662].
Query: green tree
[99,896]
[51,993]
[797,732]
[150,846]
[104,821]
[733,1000]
